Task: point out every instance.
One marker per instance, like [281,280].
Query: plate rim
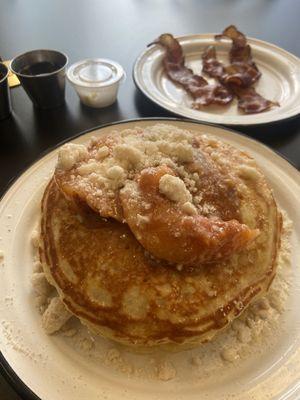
[6,370]
[209,36]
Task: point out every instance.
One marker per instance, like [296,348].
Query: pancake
[107,279]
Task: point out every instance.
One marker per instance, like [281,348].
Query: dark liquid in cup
[39,68]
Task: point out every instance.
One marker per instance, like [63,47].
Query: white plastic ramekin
[96,81]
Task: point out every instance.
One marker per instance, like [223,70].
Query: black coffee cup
[42,75]
[5,105]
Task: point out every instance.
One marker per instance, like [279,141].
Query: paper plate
[280,81]
[52,369]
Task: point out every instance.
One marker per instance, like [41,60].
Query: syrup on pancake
[173,230]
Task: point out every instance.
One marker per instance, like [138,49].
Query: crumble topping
[102,153]
[142,219]
[129,156]
[35,238]
[189,208]
[110,163]
[117,175]
[70,154]
[55,316]
[174,189]
[248,172]
[136,149]
[40,284]
[166,371]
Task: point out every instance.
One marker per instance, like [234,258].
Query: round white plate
[55,371]
[280,81]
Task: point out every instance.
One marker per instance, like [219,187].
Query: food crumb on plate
[86,344]
[229,354]
[69,332]
[166,371]
[35,238]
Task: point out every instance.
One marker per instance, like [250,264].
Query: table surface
[120,30]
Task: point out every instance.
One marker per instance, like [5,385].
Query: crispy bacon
[235,79]
[240,75]
[242,67]
[240,50]
[250,102]
[202,92]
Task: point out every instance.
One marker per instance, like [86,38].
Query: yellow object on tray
[12,78]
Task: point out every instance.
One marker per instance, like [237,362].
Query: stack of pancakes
[120,290]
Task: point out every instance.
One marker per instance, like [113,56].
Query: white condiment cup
[96,81]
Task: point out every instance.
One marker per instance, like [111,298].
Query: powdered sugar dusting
[14,339]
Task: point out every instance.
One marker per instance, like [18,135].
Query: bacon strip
[240,74]
[203,92]
[250,102]
[240,50]
[240,56]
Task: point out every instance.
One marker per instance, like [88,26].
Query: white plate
[55,371]
[280,81]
